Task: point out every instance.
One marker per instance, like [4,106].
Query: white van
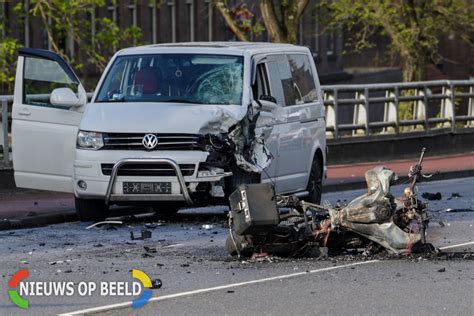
[170,125]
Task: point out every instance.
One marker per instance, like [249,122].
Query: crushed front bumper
[107,182]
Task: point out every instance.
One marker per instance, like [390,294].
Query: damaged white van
[170,125]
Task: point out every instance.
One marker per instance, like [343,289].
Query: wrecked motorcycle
[265,223]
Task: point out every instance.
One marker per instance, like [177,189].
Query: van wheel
[239,177]
[315,182]
[91,209]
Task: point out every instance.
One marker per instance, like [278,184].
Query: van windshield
[181,78]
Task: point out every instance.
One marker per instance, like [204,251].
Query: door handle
[24,112]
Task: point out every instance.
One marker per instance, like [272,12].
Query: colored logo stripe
[17,299]
[146,295]
[17,277]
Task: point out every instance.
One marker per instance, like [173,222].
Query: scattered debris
[458,210]
[150,249]
[147,255]
[105,222]
[150,225]
[59,262]
[432,196]
[145,234]
[207,226]
[442,270]
[454,196]
[173,246]
[374,221]
[98,245]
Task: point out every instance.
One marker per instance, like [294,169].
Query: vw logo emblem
[150,141]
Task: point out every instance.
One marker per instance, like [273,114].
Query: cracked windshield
[182,78]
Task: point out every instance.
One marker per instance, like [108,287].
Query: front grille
[156,169]
[133,141]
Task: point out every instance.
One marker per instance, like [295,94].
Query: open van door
[47,109]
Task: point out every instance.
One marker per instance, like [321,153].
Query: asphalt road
[189,258]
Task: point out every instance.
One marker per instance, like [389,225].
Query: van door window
[304,87]
[41,77]
[281,81]
[261,82]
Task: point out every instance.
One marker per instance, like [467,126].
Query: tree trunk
[414,70]
[271,23]
[224,10]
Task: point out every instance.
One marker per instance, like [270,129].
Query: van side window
[261,82]
[41,77]
[303,78]
[281,81]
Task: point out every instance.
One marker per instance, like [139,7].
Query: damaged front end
[375,220]
[235,149]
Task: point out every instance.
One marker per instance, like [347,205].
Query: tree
[66,20]
[281,20]
[414,27]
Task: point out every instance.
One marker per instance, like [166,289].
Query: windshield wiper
[182,101]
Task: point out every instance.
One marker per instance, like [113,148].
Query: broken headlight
[89,140]
[213,143]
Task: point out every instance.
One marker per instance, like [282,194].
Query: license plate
[147,187]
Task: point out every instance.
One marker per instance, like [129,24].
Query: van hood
[150,117]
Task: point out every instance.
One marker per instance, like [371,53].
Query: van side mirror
[267,102]
[269,98]
[65,98]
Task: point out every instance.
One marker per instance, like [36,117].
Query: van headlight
[89,140]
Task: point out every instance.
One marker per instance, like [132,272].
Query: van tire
[315,182]
[91,209]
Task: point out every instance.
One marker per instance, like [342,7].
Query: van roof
[213,47]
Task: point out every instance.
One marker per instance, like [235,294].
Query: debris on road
[432,196]
[458,210]
[105,223]
[145,234]
[150,249]
[59,262]
[454,196]
[376,220]
[442,270]
[207,226]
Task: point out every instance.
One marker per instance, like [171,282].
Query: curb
[38,220]
[361,184]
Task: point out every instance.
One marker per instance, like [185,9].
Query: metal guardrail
[407,107]
[4,136]
[413,107]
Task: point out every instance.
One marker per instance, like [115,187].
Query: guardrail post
[360,113]
[390,113]
[447,106]
[419,108]
[330,113]
[470,109]
[6,147]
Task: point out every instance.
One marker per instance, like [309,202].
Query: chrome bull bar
[150,197]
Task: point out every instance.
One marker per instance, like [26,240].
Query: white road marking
[458,245]
[216,288]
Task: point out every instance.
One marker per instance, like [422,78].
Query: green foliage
[66,21]
[245,19]
[8,57]
[414,27]
[109,37]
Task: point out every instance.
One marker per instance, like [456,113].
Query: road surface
[199,278]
